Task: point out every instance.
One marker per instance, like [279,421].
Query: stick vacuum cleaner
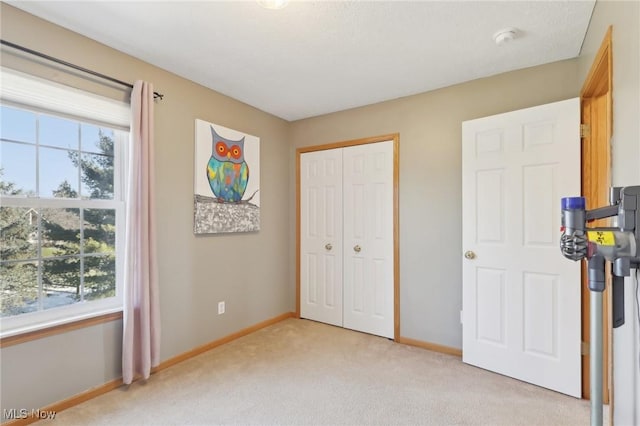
[620,245]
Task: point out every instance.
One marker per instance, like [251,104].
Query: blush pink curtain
[141,318]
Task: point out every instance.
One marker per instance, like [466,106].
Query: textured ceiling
[317,57]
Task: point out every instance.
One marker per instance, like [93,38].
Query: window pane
[17,169]
[96,139]
[97,176]
[58,132]
[99,277]
[58,174]
[18,125]
[99,231]
[60,282]
[63,254]
[18,233]
[19,288]
[60,232]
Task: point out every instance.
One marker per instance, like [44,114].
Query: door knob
[328,246]
[357,249]
[470,255]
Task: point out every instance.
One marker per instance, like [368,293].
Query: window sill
[27,336]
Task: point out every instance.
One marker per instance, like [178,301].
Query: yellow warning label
[603,238]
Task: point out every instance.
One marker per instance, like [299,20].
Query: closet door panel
[321,255]
[368,238]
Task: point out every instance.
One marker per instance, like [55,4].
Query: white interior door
[321,236]
[368,238]
[521,297]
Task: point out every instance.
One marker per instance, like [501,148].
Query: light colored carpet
[300,372]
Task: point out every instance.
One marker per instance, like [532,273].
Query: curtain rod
[156,95]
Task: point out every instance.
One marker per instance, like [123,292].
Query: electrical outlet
[221,308]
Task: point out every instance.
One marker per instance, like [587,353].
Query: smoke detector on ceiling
[505,35]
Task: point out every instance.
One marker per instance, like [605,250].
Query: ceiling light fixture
[505,35]
[273,4]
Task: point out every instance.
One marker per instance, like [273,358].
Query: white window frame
[30,93]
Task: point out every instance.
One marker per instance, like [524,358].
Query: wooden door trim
[395,137]
[599,79]
[598,89]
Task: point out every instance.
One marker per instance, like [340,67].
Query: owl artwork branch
[156,95]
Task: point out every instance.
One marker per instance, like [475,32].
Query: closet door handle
[328,246]
[357,248]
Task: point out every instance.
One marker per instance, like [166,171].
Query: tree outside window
[57,239]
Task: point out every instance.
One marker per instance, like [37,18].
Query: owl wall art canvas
[227,180]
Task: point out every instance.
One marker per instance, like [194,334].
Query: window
[61,209]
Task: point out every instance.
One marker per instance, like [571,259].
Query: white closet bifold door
[321,236]
[346,237]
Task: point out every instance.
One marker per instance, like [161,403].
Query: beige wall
[197,272]
[248,271]
[430,180]
[625,146]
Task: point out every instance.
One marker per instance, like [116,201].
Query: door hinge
[461,318]
[585,130]
[584,348]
